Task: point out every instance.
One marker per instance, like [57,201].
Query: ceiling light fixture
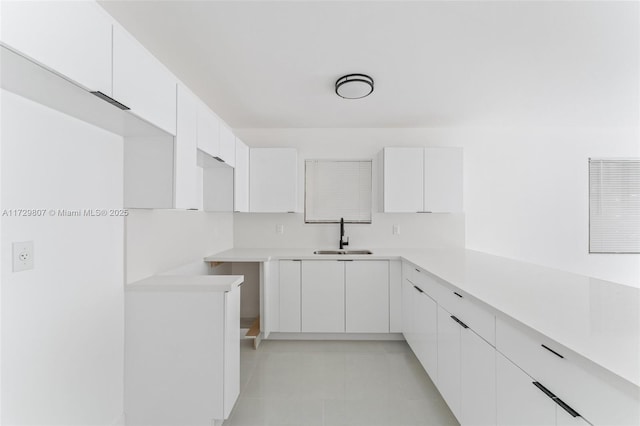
[354,86]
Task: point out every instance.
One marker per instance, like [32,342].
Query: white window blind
[614,205]
[337,189]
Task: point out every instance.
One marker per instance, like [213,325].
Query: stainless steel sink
[335,252]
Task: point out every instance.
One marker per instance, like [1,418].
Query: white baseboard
[335,336]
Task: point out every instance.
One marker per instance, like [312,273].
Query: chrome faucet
[342,241]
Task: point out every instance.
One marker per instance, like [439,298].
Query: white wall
[525,191]
[163,240]
[62,322]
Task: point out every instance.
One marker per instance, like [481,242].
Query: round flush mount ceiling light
[354,86]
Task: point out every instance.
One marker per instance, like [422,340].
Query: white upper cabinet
[208,131]
[72,38]
[227,145]
[186,169]
[142,83]
[422,180]
[403,180]
[241,178]
[272,180]
[443,180]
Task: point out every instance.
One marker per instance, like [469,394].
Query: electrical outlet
[280,229]
[22,256]
[396,230]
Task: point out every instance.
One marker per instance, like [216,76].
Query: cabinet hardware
[545,390]
[566,408]
[345,260]
[552,351]
[418,288]
[557,400]
[417,270]
[112,101]
[463,325]
[240,285]
[457,294]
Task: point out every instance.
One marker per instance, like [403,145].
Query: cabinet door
[563,418]
[478,380]
[443,180]
[241,174]
[186,168]
[290,302]
[71,38]
[231,382]
[449,360]
[425,319]
[273,180]
[142,83]
[519,402]
[208,131]
[227,145]
[403,180]
[367,296]
[408,294]
[323,296]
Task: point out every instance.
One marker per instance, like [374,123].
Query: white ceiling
[435,64]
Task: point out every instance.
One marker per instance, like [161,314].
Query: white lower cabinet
[425,327]
[519,401]
[367,296]
[182,356]
[323,296]
[449,360]
[466,371]
[289,303]
[334,296]
[407,310]
[478,380]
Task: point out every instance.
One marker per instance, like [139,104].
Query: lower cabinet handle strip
[463,325]
[418,288]
[545,390]
[552,351]
[566,408]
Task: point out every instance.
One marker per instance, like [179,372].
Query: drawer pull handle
[552,351]
[417,270]
[557,400]
[457,294]
[418,288]
[463,325]
[566,408]
[544,390]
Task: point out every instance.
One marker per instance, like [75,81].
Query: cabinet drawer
[471,313]
[597,395]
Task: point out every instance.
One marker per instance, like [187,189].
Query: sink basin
[334,252]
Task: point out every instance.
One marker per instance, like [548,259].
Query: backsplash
[159,241]
[259,230]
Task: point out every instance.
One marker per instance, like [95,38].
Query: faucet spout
[342,241]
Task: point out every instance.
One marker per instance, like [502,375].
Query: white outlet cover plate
[22,256]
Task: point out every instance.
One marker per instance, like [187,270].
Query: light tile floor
[330,383]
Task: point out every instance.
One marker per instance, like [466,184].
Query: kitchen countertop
[597,319]
[190,283]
